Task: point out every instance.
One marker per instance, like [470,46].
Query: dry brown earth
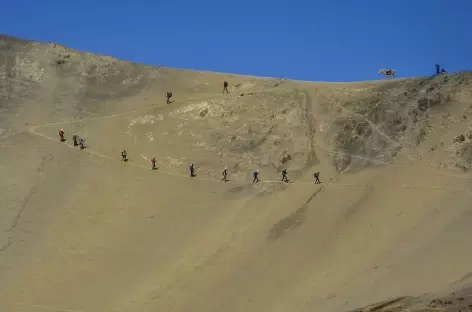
[82,231]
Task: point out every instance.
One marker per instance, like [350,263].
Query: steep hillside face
[76,221]
[54,82]
[267,123]
[407,116]
[268,130]
[47,81]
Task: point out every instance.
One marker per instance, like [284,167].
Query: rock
[436,303]
[423,104]
[203,112]
[57,62]
[432,87]
[459,139]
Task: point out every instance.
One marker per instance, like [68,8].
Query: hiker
[169,95]
[317,177]
[81,142]
[284,175]
[255,174]
[443,71]
[225,86]
[123,156]
[438,69]
[192,170]
[153,162]
[225,174]
[74,138]
[61,134]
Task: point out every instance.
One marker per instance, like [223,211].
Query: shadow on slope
[457,297]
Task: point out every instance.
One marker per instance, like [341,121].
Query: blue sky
[331,40]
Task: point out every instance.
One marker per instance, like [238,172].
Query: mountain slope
[83,231]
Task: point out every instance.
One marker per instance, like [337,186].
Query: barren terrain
[388,228]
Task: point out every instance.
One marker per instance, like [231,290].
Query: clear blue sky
[329,40]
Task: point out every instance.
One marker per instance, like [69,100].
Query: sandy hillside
[82,231]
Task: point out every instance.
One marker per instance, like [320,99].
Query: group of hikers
[255,174]
[79,140]
[124,157]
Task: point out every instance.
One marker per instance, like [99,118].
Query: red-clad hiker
[153,161]
[61,134]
